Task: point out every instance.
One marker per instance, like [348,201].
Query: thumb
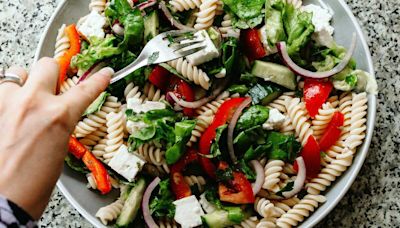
[79,97]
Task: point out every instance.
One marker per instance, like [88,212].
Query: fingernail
[108,70]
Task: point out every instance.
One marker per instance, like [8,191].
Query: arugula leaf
[215,150]
[161,205]
[99,49]
[240,89]
[230,54]
[245,168]
[75,164]
[96,104]
[249,137]
[256,153]
[253,116]
[284,147]
[183,132]
[248,12]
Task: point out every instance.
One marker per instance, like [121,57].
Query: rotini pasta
[227,29]
[357,127]
[206,15]
[62,43]
[152,93]
[167,224]
[100,149]
[68,84]
[248,223]
[182,5]
[132,91]
[267,223]
[279,103]
[298,115]
[110,212]
[273,171]
[154,155]
[94,121]
[301,210]
[192,73]
[197,181]
[264,207]
[322,119]
[115,130]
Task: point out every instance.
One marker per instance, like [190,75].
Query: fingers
[44,74]
[8,87]
[81,96]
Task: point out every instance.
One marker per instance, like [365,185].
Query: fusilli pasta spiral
[264,207]
[152,93]
[167,224]
[62,43]
[301,210]
[98,119]
[154,155]
[298,115]
[248,223]
[273,170]
[227,29]
[199,181]
[192,73]
[133,91]
[267,223]
[110,212]
[182,5]
[93,185]
[357,127]
[100,148]
[322,119]
[68,84]
[206,15]
[115,130]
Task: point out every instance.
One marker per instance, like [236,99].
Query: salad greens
[284,147]
[253,116]
[183,132]
[96,104]
[245,13]
[215,150]
[161,206]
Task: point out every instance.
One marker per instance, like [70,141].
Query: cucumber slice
[217,219]
[264,94]
[132,204]
[275,73]
[151,26]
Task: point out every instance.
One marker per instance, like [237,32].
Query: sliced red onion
[232,125]
[146,201]
[260,178]
[173,21]
[118,29]
[92,70]
[146,4]
[198,103]
[306,73]
[300,179]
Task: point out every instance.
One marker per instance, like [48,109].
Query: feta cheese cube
[135,126]
[275,120]
[93,25]
[126,164]
[208,53]
[138,107]
[321,17]
[188,212]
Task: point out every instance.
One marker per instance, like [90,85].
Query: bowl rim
[362,154]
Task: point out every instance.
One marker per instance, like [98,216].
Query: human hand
[35,125]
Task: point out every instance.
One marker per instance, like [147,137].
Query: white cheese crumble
[135,126]
[264,40]
[188,212]
[321,20]
[93,25]
[138,107]
[206,54]
[126,164]
[275,120]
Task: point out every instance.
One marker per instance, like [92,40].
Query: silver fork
[162,48]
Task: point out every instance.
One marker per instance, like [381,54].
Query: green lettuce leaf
[284,147]
[246,13]
[161,206]
[183,132]
[96,104]
[215,150]
[253,116]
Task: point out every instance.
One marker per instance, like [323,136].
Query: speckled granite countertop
[374,198]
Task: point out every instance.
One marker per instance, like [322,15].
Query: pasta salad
[248,132]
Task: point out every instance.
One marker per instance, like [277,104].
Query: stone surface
[374,198]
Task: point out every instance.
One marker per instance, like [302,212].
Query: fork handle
[137,64]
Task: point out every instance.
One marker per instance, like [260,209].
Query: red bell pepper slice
[179,187]
[316,92]
[65,60]
[332,132]
[184,91]
[76,148]
[239,190]
[222,116]
[188,158]
[312,157]
[252,44]
[95,166]
[160,77]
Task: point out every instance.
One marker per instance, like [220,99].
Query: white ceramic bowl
[73,185]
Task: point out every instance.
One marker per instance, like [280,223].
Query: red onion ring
[173,21]
[146,201]
[198,103]
[306,73]
[146,4]
[232,125]
[300,179]
[92,70]
[257,185]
